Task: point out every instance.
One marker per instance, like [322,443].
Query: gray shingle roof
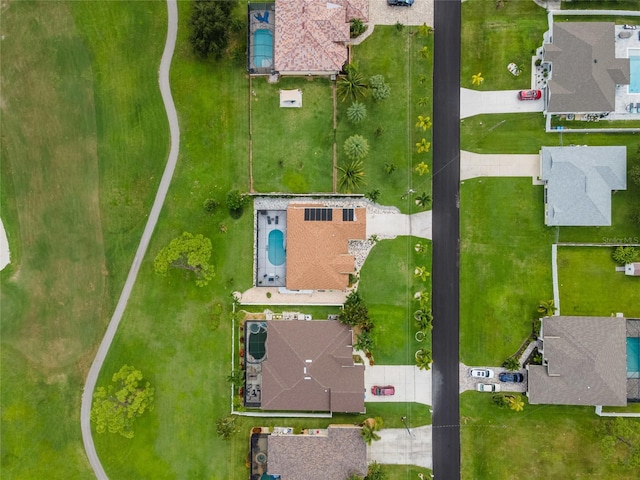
[335,456]
[584,69]
[586,362]
[309,366]
[579,181]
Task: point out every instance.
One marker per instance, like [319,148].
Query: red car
[387,390]
[529,95]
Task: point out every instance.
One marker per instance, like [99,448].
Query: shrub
[210,205]
[379,89]
[389,168]
[538,62]
[236,201]
[624,255]
[634,174]
[373,195]
[357,112]
[512,364]
[356,147]
[357,28]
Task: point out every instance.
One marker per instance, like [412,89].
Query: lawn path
[165,90]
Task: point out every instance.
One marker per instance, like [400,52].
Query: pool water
[634,66]
[277,252]
[633,356]
[262,48]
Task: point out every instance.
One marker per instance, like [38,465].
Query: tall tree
[187,252]
[423,359]
[547,307]
[620,439]
[369,430]
[210,23]
[116,406]
[356,147]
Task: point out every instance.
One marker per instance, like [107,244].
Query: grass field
[63,123]
[292,147]
[387,286]
[490,42]
[607,291]
[505,266]
[395,55]
[544,441]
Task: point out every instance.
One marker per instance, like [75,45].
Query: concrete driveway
[474,102]
[391,225]
[411,383]
[493,165]
[396,446]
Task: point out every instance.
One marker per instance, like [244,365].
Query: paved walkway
[475,102]
[469,383]
[411,383]
[474,165]
[258,296]
[394,224]
[399,447]
[172,117]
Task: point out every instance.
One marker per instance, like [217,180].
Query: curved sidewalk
[172,117]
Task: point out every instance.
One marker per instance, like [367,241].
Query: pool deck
[268,274]
[623,97]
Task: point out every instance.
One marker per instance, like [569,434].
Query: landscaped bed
[590,286]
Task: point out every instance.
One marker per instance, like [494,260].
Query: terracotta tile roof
[317,252]
[310,35]
[309,366]
[333,456]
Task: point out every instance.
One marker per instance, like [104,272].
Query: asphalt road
[446,239]
[172,117]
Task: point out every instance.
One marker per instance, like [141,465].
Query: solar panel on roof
[347,215]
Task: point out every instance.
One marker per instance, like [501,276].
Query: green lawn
[605,293]
[387,286]
[600,5]
[292,147]
[390,124]
[543,441]
[490,42]
[505,266]
[80,148]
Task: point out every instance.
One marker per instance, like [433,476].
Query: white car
[482,373]
[488,387]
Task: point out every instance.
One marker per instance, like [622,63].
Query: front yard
[590,286]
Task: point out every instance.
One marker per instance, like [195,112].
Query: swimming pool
[277,252]
[634,66]
[262,48]
[633,357]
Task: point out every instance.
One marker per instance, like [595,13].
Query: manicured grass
[630,408]
[605,293]
[292,147]
[543,441]
[68,108]
[387,286]
[396,56]
[505,266]
[491,41]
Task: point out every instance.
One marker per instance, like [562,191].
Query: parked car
[488,387]
[386,390]
[529,94]
[400,3]
[482,373]
[514,377]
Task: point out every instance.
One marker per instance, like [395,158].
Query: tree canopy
[116,406]
[620,439]
[187,252]
[210,23]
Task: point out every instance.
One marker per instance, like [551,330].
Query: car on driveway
[488,387]
[529,95]
[482,373]
[514,377]
[386,390]
[400,3]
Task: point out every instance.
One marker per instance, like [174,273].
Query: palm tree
[424,30]
[369,430]
[420,248]
[515,403]
[547,308]
[424,53]
[423,299]
[423,359]
[477,79]
[423,146]
[356,147]
[357,112]
[422,101]
[352,85]
[422,273]
[423,122]
[351,176]
[236,376]
[423,200]
[422,79]
[422,168]
[424,320]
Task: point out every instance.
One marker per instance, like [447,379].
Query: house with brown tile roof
[318,243]
[584,362]
[311,35]
[309,367]
[584,68]
[336,453]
